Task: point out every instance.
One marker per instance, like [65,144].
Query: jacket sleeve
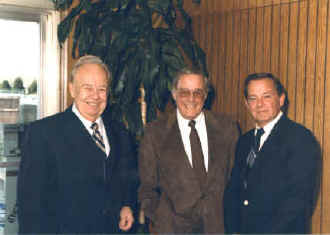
[129,173]
[232,198]
[148,171]
[34,211]
[304,167]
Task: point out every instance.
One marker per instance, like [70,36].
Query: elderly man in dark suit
[78,171]
[274,180]
[185,161]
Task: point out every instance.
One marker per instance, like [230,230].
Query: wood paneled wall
[286,37]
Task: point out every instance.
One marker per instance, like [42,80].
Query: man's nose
[95,93]
[191,96]
[260,101]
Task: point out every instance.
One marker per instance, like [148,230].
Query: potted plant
[144,43]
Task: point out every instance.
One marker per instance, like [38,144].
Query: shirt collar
[86,122]
[184,122]
[269,126]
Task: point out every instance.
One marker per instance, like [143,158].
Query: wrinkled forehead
[91,69]
[191,82]
[91,73]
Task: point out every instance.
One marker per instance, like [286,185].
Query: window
[32,85]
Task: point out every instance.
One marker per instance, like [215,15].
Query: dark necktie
[255,149]
[260,132]
[97,136]
[197,154]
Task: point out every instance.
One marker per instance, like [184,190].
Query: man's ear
[282,100]
[71,89]
[246,103]
[174,94]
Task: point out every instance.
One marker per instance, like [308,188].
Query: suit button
[246,202]
[105,211]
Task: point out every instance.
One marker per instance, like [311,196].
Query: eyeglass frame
[196,93]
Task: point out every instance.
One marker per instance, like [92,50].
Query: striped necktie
[97,136]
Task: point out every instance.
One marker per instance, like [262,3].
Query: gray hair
[189,71]
[89,59]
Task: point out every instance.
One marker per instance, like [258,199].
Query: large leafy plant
[138,53]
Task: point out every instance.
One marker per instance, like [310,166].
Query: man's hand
[126,218]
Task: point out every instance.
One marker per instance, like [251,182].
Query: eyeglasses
[197,94]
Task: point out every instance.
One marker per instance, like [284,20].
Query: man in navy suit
[273,186]
[78,171]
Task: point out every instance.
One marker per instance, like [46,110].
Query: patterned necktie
[255,149]
[197,154]
[98,137]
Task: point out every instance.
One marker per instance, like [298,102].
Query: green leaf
[76,37]
[65,27]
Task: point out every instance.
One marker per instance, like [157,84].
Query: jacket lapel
[211,139]
[173,158]
[270,146]
[216,147]
[174,147]
[273,140]
[246,144]
[110,159]
[110,137]
[82,140]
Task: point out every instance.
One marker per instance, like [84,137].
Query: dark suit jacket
[169,192]
[281,185]
[67,185]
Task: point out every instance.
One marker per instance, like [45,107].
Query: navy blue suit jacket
[67,185]
[281,186]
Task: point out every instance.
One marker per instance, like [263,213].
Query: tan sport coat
[170,193]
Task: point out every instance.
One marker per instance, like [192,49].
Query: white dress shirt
[202,133]
[88,125]
[268,128]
